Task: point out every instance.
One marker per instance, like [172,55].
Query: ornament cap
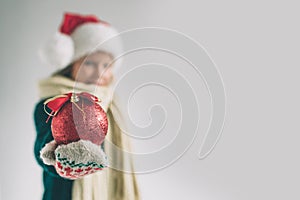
[74,98]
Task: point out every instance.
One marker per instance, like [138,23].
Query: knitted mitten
[74,160]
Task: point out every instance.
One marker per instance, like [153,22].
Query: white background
[255,45]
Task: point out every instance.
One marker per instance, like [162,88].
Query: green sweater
[55,186]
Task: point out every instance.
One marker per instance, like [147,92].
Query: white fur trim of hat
[79,38]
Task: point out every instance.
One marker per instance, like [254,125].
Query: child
[86,67]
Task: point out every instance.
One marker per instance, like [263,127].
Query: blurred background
[255,46]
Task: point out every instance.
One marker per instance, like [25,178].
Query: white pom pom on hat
[80,35]
[58,51]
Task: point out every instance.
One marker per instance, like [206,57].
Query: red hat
[78,36]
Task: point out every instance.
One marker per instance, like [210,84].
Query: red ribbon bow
[57,102]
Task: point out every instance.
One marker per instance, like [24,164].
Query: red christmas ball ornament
[77,116]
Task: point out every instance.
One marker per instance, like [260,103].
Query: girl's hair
[67,71]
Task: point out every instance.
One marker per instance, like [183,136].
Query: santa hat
[80,35]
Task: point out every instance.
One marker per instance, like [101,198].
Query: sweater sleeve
[44,136]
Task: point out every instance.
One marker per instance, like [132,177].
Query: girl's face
[94,69]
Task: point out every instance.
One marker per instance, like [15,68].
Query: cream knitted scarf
[108,184]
